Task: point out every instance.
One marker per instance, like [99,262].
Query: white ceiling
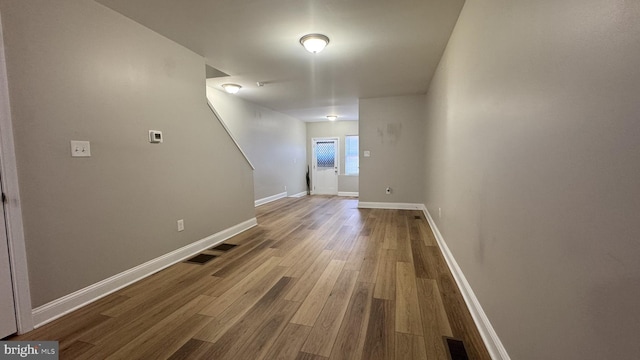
[377,47]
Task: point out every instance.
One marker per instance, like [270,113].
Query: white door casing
[325,166]
[12,237]
[8,323]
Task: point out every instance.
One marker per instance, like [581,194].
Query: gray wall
[533,155]
[79,71]
[338,129]
[273,142]
[391,129]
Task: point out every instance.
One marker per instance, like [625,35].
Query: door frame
[13,207]
[313,159]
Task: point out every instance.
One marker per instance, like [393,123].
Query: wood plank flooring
[318,278]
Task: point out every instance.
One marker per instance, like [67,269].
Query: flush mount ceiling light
[314,43]
[332,117]
[231,88]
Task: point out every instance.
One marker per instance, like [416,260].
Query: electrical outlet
[387,190]
[181,225]
[439,213]
[285,188]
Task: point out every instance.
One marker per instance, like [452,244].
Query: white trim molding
[269,199]
[348,193]
[13,207]
[66,304]
[489,335]
[298,195]
[217,115]
[392,206]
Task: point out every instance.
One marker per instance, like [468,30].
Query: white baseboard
[489,336]
[300,194]
[348,193]
[271,198]
[66,304]
[384,205]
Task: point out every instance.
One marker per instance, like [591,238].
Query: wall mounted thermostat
[155,136]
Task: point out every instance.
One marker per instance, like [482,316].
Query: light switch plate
[80,148]
[367,153]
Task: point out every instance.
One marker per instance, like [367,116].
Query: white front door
[7,306]
[325,166]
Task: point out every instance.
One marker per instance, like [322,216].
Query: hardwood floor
[318,278]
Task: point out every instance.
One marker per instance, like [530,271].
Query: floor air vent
[417,217]
[201,259]
[456,349]
[224,247]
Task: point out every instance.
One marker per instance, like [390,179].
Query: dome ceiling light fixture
[314,43]
[332,117]
[231,88]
